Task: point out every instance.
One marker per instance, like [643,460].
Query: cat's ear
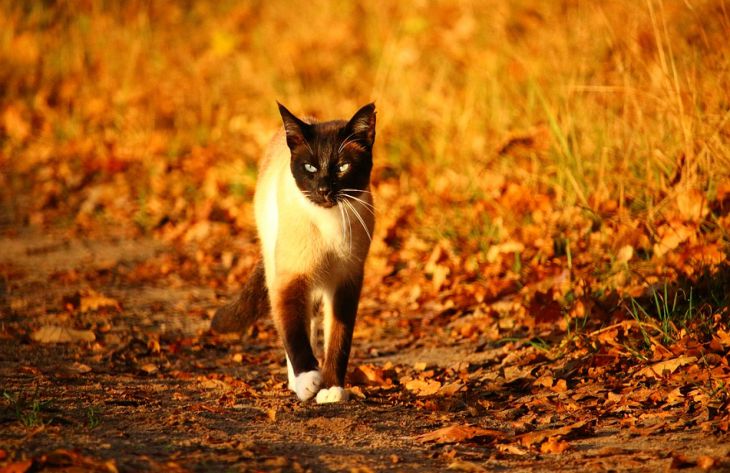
[362,125]
[296,129]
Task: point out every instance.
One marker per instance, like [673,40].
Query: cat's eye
[309,168]
[344,167]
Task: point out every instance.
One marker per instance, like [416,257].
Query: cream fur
[301,239]
[297,235]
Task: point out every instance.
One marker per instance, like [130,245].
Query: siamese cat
[315,219]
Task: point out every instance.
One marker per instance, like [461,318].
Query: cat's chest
[327,225]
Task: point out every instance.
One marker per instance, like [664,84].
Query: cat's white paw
[333,394]
[307,384]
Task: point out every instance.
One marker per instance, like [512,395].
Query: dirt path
[155,391]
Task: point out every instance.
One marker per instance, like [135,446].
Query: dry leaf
[625,254]
[657,370]
[545,381]
[554,445]
[451,388]
[17,467]
[423,387]
[461,465]
[723,337]
[538,436]
[511,448]
[369,375]
[57,334]
[692,205]
[458,433]
[705,462]
[149,368]
[77,367]
[357,392]
[670,237]
[96,301]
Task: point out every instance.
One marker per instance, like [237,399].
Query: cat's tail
[252,304]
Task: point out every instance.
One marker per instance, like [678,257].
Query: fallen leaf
[458,433]
[357,392]
[96,301]
[692,205]
[545,381]
[149,368]
[658,370]
[17,467]
[461,465]
[670,237]
[451,388]
[705,462]
[77,367]
[511,448]
[506,247]
[57,334]
[423,387]
[723,337]
[539,436]
[369,375]
[625,254]
[554,445]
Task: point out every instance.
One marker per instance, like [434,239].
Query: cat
[315,219]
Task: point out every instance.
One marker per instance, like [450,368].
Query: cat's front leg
[291,304]
[340,313]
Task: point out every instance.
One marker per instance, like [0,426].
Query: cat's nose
[325,191]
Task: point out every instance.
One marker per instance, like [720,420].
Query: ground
[155,390]
[546,287]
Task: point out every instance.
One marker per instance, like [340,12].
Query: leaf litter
[521,311]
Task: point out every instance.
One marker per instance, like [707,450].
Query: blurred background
[541,151]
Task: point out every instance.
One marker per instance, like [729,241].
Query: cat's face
[333,159]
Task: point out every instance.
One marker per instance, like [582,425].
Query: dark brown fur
[292,321]
[343,324]
[251,304]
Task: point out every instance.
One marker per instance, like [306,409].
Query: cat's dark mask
[331,158]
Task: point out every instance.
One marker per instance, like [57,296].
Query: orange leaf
[96,301]
[57,334]
[657,370]
[423,387]
[369,375]
[17,467]
[458,433]
[539,436]
[554,445]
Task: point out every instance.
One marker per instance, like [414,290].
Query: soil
[157,391]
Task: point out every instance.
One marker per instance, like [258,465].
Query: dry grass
[498,121]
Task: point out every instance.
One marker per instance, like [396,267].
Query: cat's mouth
[326,201]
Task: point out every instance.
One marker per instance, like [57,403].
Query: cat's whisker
[349,225]
[364,202]
[349,231]
[367,207]
[364,191]
[362,222]
[342,220]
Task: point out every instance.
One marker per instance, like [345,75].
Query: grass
[92,417]
[538,122]
[29,412]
